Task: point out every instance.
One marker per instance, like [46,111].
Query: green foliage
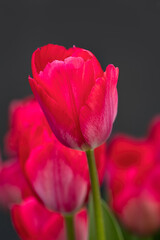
[112,228]
[131,236]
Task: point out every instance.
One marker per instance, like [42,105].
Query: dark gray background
[125,33]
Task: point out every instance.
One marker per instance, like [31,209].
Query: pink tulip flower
[79,99]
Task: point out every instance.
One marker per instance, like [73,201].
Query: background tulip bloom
[133,180]
[77,97]
[60,175]
[34,222]
[20,112]
[26,122]
[13,185]
[28,128]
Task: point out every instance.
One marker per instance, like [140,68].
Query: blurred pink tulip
[13,185]
[133,176]
[60,175]
[34,222]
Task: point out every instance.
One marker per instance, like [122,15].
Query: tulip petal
[100,157]
[54,228]
[98,114]
[68,82]
[13,185]
[64,128]
[87,55]
[81,225]
[42,56]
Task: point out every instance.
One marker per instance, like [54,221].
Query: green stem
[96,195]
[69,219]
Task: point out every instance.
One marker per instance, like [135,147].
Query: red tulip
[13,185]
[34,222]
[60,175]
[77,97]
[133,181]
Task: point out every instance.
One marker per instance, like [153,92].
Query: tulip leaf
[112,228]
[134,237]
[157,235]
[130,236]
